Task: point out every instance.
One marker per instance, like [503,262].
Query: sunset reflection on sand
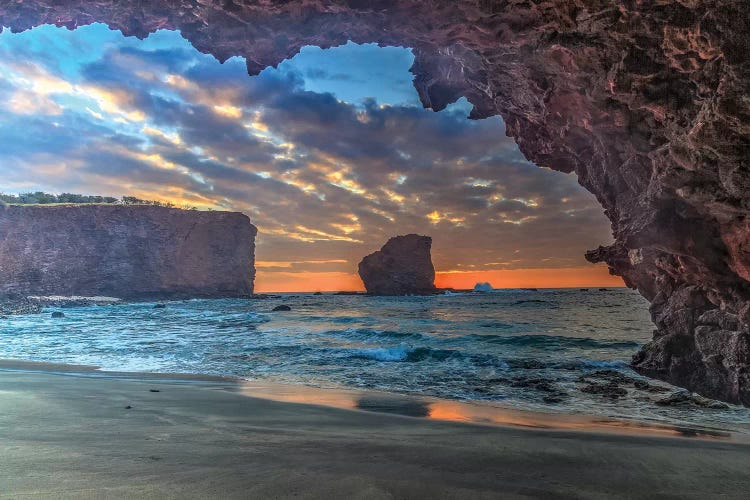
[470,413]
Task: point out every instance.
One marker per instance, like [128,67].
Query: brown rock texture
[402,267]
[131,252]
[645,100]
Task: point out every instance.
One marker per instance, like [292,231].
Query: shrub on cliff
[42,198]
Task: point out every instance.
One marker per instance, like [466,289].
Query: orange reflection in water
[473,413]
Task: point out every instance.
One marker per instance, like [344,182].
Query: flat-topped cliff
[132,252]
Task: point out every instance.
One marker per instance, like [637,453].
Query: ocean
[523,349]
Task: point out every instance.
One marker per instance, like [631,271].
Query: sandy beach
[70,432]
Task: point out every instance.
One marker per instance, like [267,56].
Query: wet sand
[70,434]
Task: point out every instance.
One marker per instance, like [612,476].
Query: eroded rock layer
[645,100]
[402,267]
[132,252]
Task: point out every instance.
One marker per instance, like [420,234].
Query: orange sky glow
[571,277]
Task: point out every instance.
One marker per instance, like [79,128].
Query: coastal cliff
[402,267]
[131,252]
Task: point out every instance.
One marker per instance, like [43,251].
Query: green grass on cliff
[68,199]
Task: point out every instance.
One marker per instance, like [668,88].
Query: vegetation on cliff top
[41,198]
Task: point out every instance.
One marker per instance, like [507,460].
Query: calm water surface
[515,348]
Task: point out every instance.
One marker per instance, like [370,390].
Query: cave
[645,101]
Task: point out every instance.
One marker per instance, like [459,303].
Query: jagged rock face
[131,252]
[402,267]
[645,100]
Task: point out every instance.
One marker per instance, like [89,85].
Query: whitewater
[524,349]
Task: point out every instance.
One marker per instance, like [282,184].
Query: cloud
[326,180]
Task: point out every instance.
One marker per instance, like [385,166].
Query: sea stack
[402,267]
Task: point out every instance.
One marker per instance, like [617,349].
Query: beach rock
[642,385]
[612,376]
[613,380]
[540,384]
[402,267]
[686,398]
[58,314]
[609,390]
[552,393]
[131,252]
[281,308]
[645,101]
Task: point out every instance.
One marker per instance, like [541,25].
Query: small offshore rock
[58,314]
[281,308]
[160,306]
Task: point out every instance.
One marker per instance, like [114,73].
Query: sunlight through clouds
[328,156]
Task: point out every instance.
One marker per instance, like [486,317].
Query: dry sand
[71,435]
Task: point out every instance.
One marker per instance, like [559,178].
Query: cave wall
[647,101]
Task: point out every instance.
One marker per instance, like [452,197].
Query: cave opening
[330,154]
[654,125]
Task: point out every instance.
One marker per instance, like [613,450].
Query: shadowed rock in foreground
[132,252]
[645,101]
[402,267]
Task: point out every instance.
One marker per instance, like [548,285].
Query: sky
[329,154]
